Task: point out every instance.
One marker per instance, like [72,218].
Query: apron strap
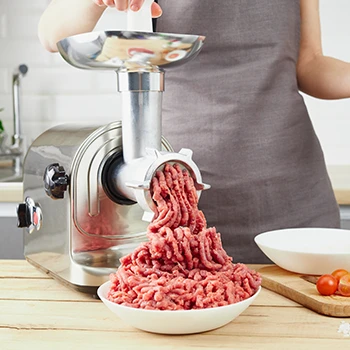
[154,20]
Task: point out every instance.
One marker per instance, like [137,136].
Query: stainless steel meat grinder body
[87,190]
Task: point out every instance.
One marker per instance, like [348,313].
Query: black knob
[23,215]
[55,181]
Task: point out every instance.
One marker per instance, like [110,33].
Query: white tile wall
[3,81]
[53,92]
[2,23]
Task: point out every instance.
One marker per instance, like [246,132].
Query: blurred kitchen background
[53,92]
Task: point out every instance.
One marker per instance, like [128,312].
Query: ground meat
[183,265]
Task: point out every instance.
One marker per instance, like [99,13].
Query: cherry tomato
[327,285]
[338,274]
[344,285]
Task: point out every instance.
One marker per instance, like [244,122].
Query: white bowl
[175,322]
[311,251]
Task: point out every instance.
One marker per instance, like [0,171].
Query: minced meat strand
[183,265]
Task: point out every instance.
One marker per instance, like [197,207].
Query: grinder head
[139,59]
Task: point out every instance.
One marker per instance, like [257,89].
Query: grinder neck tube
[141,102]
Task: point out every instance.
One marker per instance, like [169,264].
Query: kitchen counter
[11,192]
[340,178]
[37,312]
[339,175]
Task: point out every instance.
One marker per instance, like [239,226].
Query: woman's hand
[135,5]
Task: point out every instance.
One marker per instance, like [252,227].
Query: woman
[254,141]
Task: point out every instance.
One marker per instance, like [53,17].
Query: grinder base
[76,233]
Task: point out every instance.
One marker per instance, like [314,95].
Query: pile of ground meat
[183,266]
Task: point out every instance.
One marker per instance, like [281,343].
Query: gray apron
[237,106]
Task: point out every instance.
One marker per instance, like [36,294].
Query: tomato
[327,285]
[338,274]
[344,285]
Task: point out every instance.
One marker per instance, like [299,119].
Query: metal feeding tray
[128,50]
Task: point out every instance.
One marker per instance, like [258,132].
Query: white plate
[312,251]
[175,322]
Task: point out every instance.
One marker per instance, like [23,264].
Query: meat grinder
[87,198]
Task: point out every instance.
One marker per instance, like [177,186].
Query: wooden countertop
[37,312]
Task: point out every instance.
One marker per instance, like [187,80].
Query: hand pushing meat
[183,266]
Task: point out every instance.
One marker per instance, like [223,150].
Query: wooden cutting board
[294,287]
